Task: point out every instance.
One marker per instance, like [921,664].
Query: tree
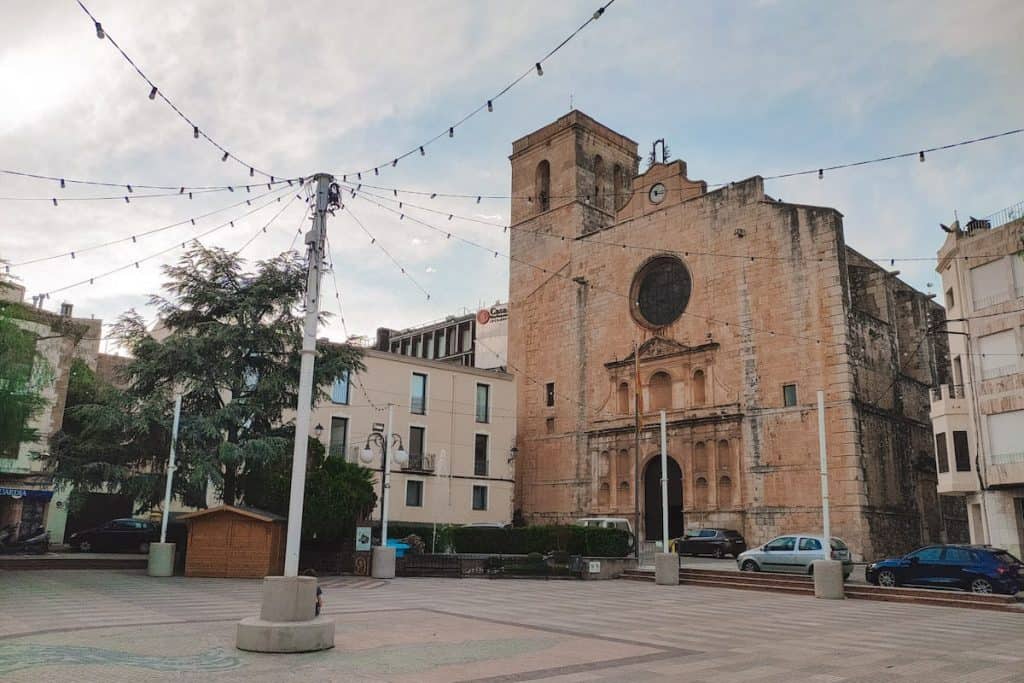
[23,376]
[229,340]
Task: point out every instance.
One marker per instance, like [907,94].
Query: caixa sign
[495,313]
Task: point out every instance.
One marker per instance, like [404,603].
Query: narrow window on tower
[542,184]
[789,395]
[549,394]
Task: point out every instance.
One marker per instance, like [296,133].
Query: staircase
[795,584]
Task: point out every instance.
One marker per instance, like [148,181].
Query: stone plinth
[287,621]
[666,569]
[383,562]
[161,559]
[828,579]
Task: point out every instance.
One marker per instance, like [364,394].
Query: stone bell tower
[569,179]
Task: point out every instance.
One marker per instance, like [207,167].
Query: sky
[736,88]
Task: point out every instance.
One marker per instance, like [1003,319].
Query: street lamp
[318,431]
[383,557]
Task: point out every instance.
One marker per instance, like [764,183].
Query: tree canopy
[229,341]
[24,375]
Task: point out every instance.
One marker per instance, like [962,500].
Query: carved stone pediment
[660,347]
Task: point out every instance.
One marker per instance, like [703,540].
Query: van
[606,523]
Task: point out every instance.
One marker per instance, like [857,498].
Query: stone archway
[652,499]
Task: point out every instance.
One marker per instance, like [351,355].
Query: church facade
[634,293]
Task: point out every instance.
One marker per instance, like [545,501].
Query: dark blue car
[975,568]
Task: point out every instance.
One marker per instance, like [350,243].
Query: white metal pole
[170,467]
[387,483]
[315,255]
[664,487]
[824,474]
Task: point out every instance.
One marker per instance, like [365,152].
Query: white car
[606,523]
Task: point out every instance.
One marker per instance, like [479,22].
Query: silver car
[793,553]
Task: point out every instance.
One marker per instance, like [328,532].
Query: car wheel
[144,547]
[981,586]
[85,547]
[749,566]
[887,578]
[719,553]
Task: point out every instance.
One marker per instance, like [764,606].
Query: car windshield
[837,544]
[1005,558]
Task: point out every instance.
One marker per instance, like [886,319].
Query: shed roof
[261,515]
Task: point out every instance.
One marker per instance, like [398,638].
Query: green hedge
[575,540]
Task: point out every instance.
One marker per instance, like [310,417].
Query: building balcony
[948,400]
[957,482]
[1006,469]
[420,463]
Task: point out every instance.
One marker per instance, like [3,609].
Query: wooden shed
[234,542]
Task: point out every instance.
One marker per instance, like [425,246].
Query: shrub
[575,540]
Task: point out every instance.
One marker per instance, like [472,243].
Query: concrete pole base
[287,621]
[161,559]
[828,579]
[383,562]
[666,569]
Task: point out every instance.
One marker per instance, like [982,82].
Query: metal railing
[420,462]
[1007,215]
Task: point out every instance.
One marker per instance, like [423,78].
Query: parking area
[120,626]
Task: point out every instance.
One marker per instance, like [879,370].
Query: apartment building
[476,340]
[978,421]
[457,425]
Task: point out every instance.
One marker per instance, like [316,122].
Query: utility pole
[386,483]
[314,259]
[170,466]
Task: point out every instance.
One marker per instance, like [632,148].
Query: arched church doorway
[652,499]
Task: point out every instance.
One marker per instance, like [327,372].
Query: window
[707,533]
[549,394]
[701,492]
[788,395]
[958,376]
[724,491]
[998,354]
[416,346]
[339,437]
[549,425]
[958,556]
[604,494]
[698,388]
[467,338]
[479,497]
[414,494]
[440,350]
[990,284]
[940,452]
[782,544]
[483,403]
[480,456]
[660,291]
[1006,436]
[950,302]
[960,452]
[700,457]
[340,388]
[810,544]
[624,407]
[418,399]
[598,181]
[931,554]
[542,186]
[661,391]
[417,437]
[428,346]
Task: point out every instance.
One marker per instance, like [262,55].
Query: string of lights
[136,263]
[555,273]
[488,105]
[591,239]
[303,218]
[154,92]
[65,181]
[337,290]
[820,172]
[72,253]
[373,240]
[126,198]
[265,226]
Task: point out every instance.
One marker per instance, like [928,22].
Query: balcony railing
[954,391]
[1007,215]
[420,462]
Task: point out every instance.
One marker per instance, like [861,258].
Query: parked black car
[975,568]
[716,542]
[117,535]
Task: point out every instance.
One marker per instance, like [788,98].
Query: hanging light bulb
[99,31]
[422,151]
[376,171]
[248,188]
[90,281]
[478,200]
[136,265]
[126,200]
[451,132]
[62,183]
[540,70]
[232,223]
[182,190]
[248,202]
[230,189]
[225,157]
[195,132]
[394,191]
[490,106]
[433,195]
[449,216]
[920,156]
[821,173]
[394,163]
[152,93]
[399,205]
[401,216]
[359,175]
[133,239]
[190,195]
[129,188]
[72,256]
[598,13]
[193,221]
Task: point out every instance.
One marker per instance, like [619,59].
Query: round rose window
[660,291]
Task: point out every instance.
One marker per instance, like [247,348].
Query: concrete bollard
[666,569]
[383,562]
[828,579]
[287,621]
[161,559]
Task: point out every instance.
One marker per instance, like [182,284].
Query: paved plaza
[124,626]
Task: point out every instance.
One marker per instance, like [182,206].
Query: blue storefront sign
[29,494]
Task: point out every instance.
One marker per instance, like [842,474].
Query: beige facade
[27,495]
[978,419]
[459,433]
[756,304]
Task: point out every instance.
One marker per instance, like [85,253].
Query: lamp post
[383,556]
[318,431]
